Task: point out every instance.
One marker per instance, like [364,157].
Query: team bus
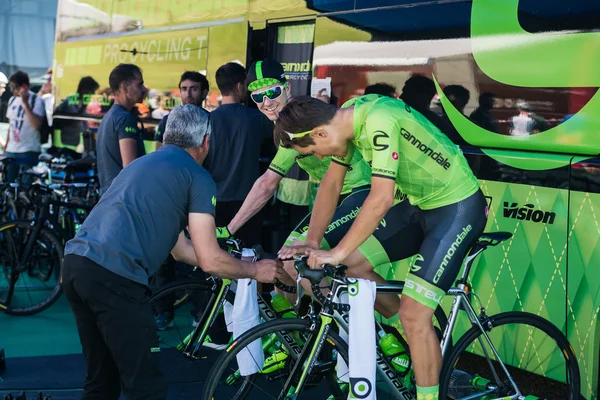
[517,81]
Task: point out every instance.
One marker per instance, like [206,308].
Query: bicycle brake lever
[299,291]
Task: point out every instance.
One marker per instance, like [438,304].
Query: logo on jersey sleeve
[395,156]
[130,129]
[214,201]
[381,141]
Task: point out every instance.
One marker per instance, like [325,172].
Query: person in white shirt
[25,113]
[3,83]
[522,124]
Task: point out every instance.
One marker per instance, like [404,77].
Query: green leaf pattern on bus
[507,53]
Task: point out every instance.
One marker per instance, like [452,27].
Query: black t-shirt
[238,133]
[135,225]
[70,130]
[117,124]
[160,129]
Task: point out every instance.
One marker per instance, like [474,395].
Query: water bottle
[282,306]
[392,347]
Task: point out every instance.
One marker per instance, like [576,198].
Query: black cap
[265,73]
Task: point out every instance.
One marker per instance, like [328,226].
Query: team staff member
[119,139]
[408,152]
[238,133]
[133,227]
[193,89]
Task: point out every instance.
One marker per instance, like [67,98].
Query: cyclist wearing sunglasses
[271,91]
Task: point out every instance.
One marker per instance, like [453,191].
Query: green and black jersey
[401,144]
[359,172]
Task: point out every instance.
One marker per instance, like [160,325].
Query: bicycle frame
[462,300]
[192,343]
[384,369]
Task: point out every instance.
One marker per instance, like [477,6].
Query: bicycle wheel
[537,356]
[194,304]
[34,286]
[225,381]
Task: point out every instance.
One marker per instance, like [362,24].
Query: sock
[428,393]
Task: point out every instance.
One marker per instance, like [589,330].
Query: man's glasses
[270,93]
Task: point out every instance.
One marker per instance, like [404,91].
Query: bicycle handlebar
[261,254]
[233,245]
[315,276]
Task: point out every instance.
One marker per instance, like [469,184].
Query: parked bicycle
[198,304]
[511,355]
[31,251]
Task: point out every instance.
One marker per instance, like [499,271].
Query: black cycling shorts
[380,244]
[448,233]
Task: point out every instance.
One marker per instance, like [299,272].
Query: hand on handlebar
[268,271]
[316,258]
[298,247]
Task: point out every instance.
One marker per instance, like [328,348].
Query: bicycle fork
[191,344]
[290,392]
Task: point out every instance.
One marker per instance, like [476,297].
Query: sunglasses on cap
[270,93]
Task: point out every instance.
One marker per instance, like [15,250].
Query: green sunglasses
[270,93]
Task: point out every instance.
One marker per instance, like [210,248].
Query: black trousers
[117,332]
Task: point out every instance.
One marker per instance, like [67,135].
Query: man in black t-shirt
[237,138]
[108,264]
[119,139]
[193,87]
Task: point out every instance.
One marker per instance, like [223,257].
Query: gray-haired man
[137,222]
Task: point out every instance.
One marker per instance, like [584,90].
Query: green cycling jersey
[359,172]
[400,143]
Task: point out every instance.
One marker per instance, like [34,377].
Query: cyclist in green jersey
[407,153]
[271,91]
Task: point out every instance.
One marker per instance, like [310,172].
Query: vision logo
[531,60]
[527,213]
[130,129]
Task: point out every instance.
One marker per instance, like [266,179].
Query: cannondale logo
[360,388]
[352,286]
